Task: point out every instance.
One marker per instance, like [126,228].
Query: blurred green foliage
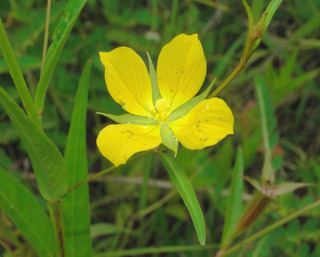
[136,206]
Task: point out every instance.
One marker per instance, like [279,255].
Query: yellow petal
[128,80]
[119,142]
[181,69]
[205,125]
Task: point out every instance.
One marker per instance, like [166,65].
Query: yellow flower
[181,70]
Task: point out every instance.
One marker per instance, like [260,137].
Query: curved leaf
[16,74]
[19,204]
[48,163]
[186,191]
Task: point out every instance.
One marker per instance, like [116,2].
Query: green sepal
[129,119]
[188,106]
[168,138]
[154,80]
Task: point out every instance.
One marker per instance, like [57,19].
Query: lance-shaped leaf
[276,190]
[288,187]
[129,119]
[188,106]
[48,163]
[21,206]
[234,208]
[262,25]
[60,36]
[186,191]
[76,212]
[270,12]
[16,74]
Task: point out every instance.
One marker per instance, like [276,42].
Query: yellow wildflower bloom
[181,70]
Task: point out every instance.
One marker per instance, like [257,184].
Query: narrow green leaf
[168,138]
[265,20]
[76,211]
[234,209]
[276,190]
[270,11]
[288,187]
[255,183]
[59,39]
[154,80]
[268,125]
[47,161]
[129,119]
[16,74]
[20,205]
[186,191]
[188,106]
[249,14]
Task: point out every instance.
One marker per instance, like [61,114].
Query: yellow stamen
[162,107]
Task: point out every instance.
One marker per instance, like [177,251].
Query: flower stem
[46,35]
[254,34]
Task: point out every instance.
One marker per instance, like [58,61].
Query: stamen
[162,106]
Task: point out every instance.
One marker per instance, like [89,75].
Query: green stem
[57,222]
[268,229]
[253,35]
[90,178]
[46,35]
[242,63]
[158,250]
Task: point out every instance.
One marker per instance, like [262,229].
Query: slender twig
[46,35]
[268,229]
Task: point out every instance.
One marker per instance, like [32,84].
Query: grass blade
[19,204]
[186,191]
[59,39]
[76,211]
[16,74]
[234,208]
[47,162]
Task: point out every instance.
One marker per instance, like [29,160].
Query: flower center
[162,106]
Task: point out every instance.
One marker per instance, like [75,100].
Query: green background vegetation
[136,206]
